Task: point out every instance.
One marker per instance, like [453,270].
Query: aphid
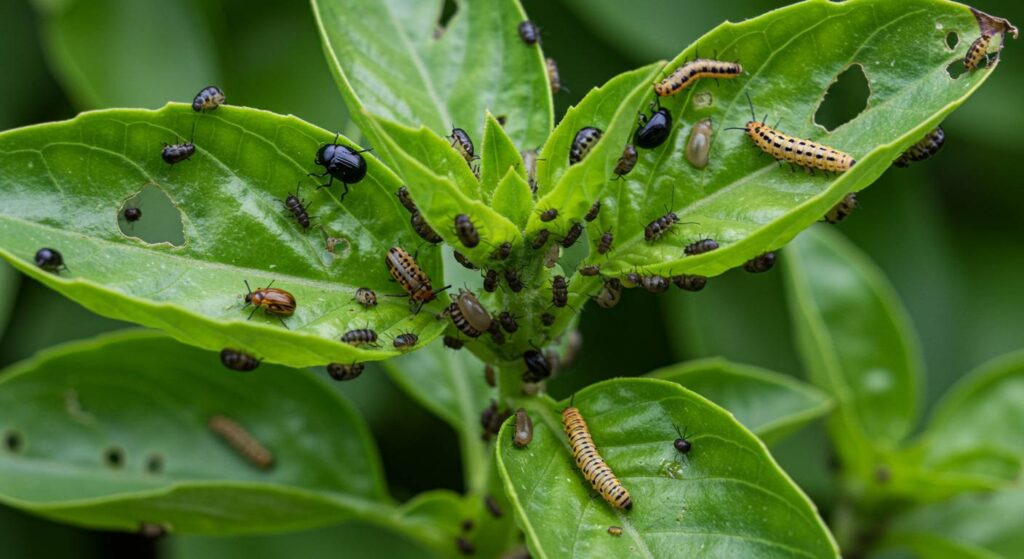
[540,239]
[760,263]
[503,251]
[626,162]
[699,144]
[583,143]
[553,77]
[406,341]
[465,546]
[463,144]
[467,525]
[489,376]
[297,207]
[652,131]
[132,214]
[508,322]
[924,149]
[660,226]
[492,506]
[513,280]
[50,259]
[795,151]
[423,229]
[208,99]
[595,210]
[615,530]
[590,270]
[537,366]
[343,371]
[547,319]
[497,338]
[360,336]
[701,246]
[654,284]
[406,200]
[977,51]
[461,259]
[491,281]
[523,433]
[589,460]
[548,214]
[491,420]
[559,291]
[466,232]
[682,444]
[605,243]
[529,32]
[366,297]
[238,361]
[404,269]
[690,283]
[469,315]
[272,300]
[451,342]
[552,255]
[610,294]
[572,235]
[683,76]
[241,441]
[176,153]
[843,209]
[340,162]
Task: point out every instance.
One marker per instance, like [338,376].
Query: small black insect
[132,214]
[537,366]
[605,243]
[342,371]
[423,229]
[626,162]
[451,342]
[529,32]
[340,162]
[547,319]
[572,235]
[541,239]
[682,444]
[700,246]
[298,207]
[208,99]
[492,506]
[50,260]
[468,525]
[491,281]
[654,284]
[366,297]
[176,153]
[360,336]
[466,232]
[508,322]
[590,270]
[514,281]
[583,143]
[463,144]
[660,226]
[497,338]
[406,341]
[238,361]
[548,214]
[652,131]
[406,200]
[491,419]
[594,211]
[503,251]
[559,291]
[761,263]
[843,209]
[690,283]
[461,259]
[610,294]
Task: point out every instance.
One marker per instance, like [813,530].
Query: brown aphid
[241,441]
[360,337]
[492,506]
[760,263]
[491,281]
[595,210]
[977,52]
[923,149]
[404,269]
[508,322]
[610,294]
[423,229]
[461,259]
[515,283]
[466,231]
[701,246]
[553,76]
[238,361]
[590,270]
[690,283]
[615,531]
[523,433]
[297,207]
[572,235]
[547,319]
[559,291]
[541,239]
[406,341]
[503,251]
[660,226]
[366,297]
[463,144]
[489,376]
[469,315]
[272,300]
[548,214]
[406,199]
[451,342]
[605,243]
[345,371]
[654,284]
[583,143]
[491,420]
[626,161]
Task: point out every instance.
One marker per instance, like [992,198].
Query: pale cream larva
[699,144]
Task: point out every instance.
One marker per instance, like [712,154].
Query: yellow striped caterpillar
[694,70]
[594,468]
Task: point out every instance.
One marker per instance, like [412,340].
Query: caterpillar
[594,468]
[924,148]
[239,439]
[977,51]
[694,70]
[796,151]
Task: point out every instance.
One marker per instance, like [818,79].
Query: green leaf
[770,404]
[65,183]
[9,280]
[790,56]
[726,498]
[387,62]
[497,156]
[513,198]
[856,343]
[982,526]
[152,398]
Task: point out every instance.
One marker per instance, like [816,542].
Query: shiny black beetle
[340,162]
[653,130]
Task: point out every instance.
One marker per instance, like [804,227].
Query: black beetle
[538,367]
[49,259]
[653,130]
[340,162]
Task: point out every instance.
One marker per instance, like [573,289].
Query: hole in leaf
[13,441]
[703,99]
[952,40]
[157,219]
[114,457]
[448,9]
[845,99]
[155,464]
[956,69]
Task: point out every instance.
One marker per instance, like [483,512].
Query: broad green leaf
[790,56]
[726,498]
[513,198]
[9,279]
[64,185]
[856,343]
[497,156]
[391,59]
[148,398]
[771,405]
[980,526]
[107,55]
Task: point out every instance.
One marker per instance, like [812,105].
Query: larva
[239,439]
[594,468]
[694,70]
[923,149]
[977,51]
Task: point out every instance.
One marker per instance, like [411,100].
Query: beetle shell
[523,433]
[473,311]
[272,300]
[341,162]
[701,246]
[49,259]
[466,232]
[653,130]
[583,143]
[699,144]
[208,99]
[537,366]
[237,360]
[366,297]
[176,153]
[627,161]
[342,371]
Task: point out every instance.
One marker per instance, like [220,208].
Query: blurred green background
[942,231]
